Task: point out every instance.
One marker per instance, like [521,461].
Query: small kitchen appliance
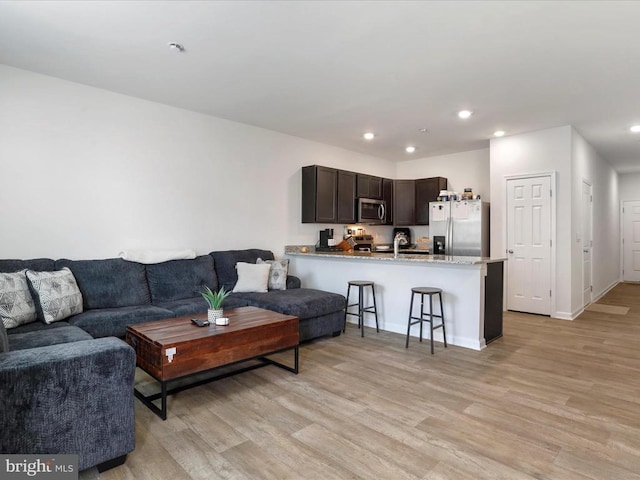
[327,243]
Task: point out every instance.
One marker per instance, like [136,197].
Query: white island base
[472,289]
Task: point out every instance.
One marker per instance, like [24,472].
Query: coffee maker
[327,243]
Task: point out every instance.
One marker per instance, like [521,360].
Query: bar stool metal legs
[361,284]
[426,316]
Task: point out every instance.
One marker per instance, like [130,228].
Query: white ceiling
[329,71]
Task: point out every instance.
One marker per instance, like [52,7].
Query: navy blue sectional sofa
[67,387]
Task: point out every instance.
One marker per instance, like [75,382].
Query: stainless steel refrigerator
[459,227]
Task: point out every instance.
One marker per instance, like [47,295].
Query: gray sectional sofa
[67,387]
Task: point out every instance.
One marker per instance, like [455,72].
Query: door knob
[585,251]
[509,251]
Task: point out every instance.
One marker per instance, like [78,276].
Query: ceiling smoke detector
[176,47]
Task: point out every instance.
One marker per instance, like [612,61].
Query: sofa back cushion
[225,263]
[180,279]
[37,264]
[109,283]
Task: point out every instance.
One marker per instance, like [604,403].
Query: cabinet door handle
[509,251]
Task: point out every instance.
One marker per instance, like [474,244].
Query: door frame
[622,202]
[582,184]
[505,195]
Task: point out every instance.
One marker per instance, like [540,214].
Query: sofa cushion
[37,264]
[67,334]
[109,283]
[225,263]
[112,322]
[234,301]
[180,279]
[301,302]
[185,306]
[36,326]
[16,303]
[56,294]
[277,273]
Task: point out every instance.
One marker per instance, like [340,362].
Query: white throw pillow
[57,293]
[16,304]
[277,273]
[252,277]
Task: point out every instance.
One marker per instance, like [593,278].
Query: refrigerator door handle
[448,247]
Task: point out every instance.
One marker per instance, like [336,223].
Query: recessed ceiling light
[176,47]
[410,149]
[498,133]
[635,129]
[423,130]
[464,114]
[369,136]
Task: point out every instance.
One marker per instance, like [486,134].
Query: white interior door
[529,244]
[631,241]
[587,243]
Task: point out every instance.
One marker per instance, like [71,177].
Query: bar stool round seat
[426,316]
[361,284]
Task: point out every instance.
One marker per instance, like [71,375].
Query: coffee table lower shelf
[161,411]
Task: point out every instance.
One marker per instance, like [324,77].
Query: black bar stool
[361,309]
[426,316]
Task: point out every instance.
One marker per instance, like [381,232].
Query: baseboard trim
[605,291]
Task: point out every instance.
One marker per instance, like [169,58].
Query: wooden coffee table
[175,348]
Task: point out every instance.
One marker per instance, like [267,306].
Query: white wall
[629,186]
[564,151]
[87,173]
[588,166]
[464,169]
[536,152]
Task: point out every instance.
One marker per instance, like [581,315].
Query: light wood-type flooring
[552,399]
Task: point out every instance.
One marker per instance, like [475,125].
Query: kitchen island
[472,288]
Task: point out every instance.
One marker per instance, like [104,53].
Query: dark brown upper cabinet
[369,186]
[346,197]
[319,194]
[404,202]
[427,190]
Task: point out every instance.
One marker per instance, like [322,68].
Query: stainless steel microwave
[371,211]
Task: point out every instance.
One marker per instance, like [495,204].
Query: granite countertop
[309,250]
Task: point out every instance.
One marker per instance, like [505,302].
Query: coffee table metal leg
[296,361]
[164,391]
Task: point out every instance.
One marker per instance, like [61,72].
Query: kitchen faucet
[399,239]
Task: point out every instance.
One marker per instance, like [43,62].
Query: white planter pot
[212,315]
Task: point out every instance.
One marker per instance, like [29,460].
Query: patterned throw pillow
[4,340]
[277,273]
[57,293]
[16,304]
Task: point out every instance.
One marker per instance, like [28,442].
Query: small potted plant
[214,299]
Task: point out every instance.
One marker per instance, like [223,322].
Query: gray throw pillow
[16,304]
[4,340]
[57,294]
[277,273]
